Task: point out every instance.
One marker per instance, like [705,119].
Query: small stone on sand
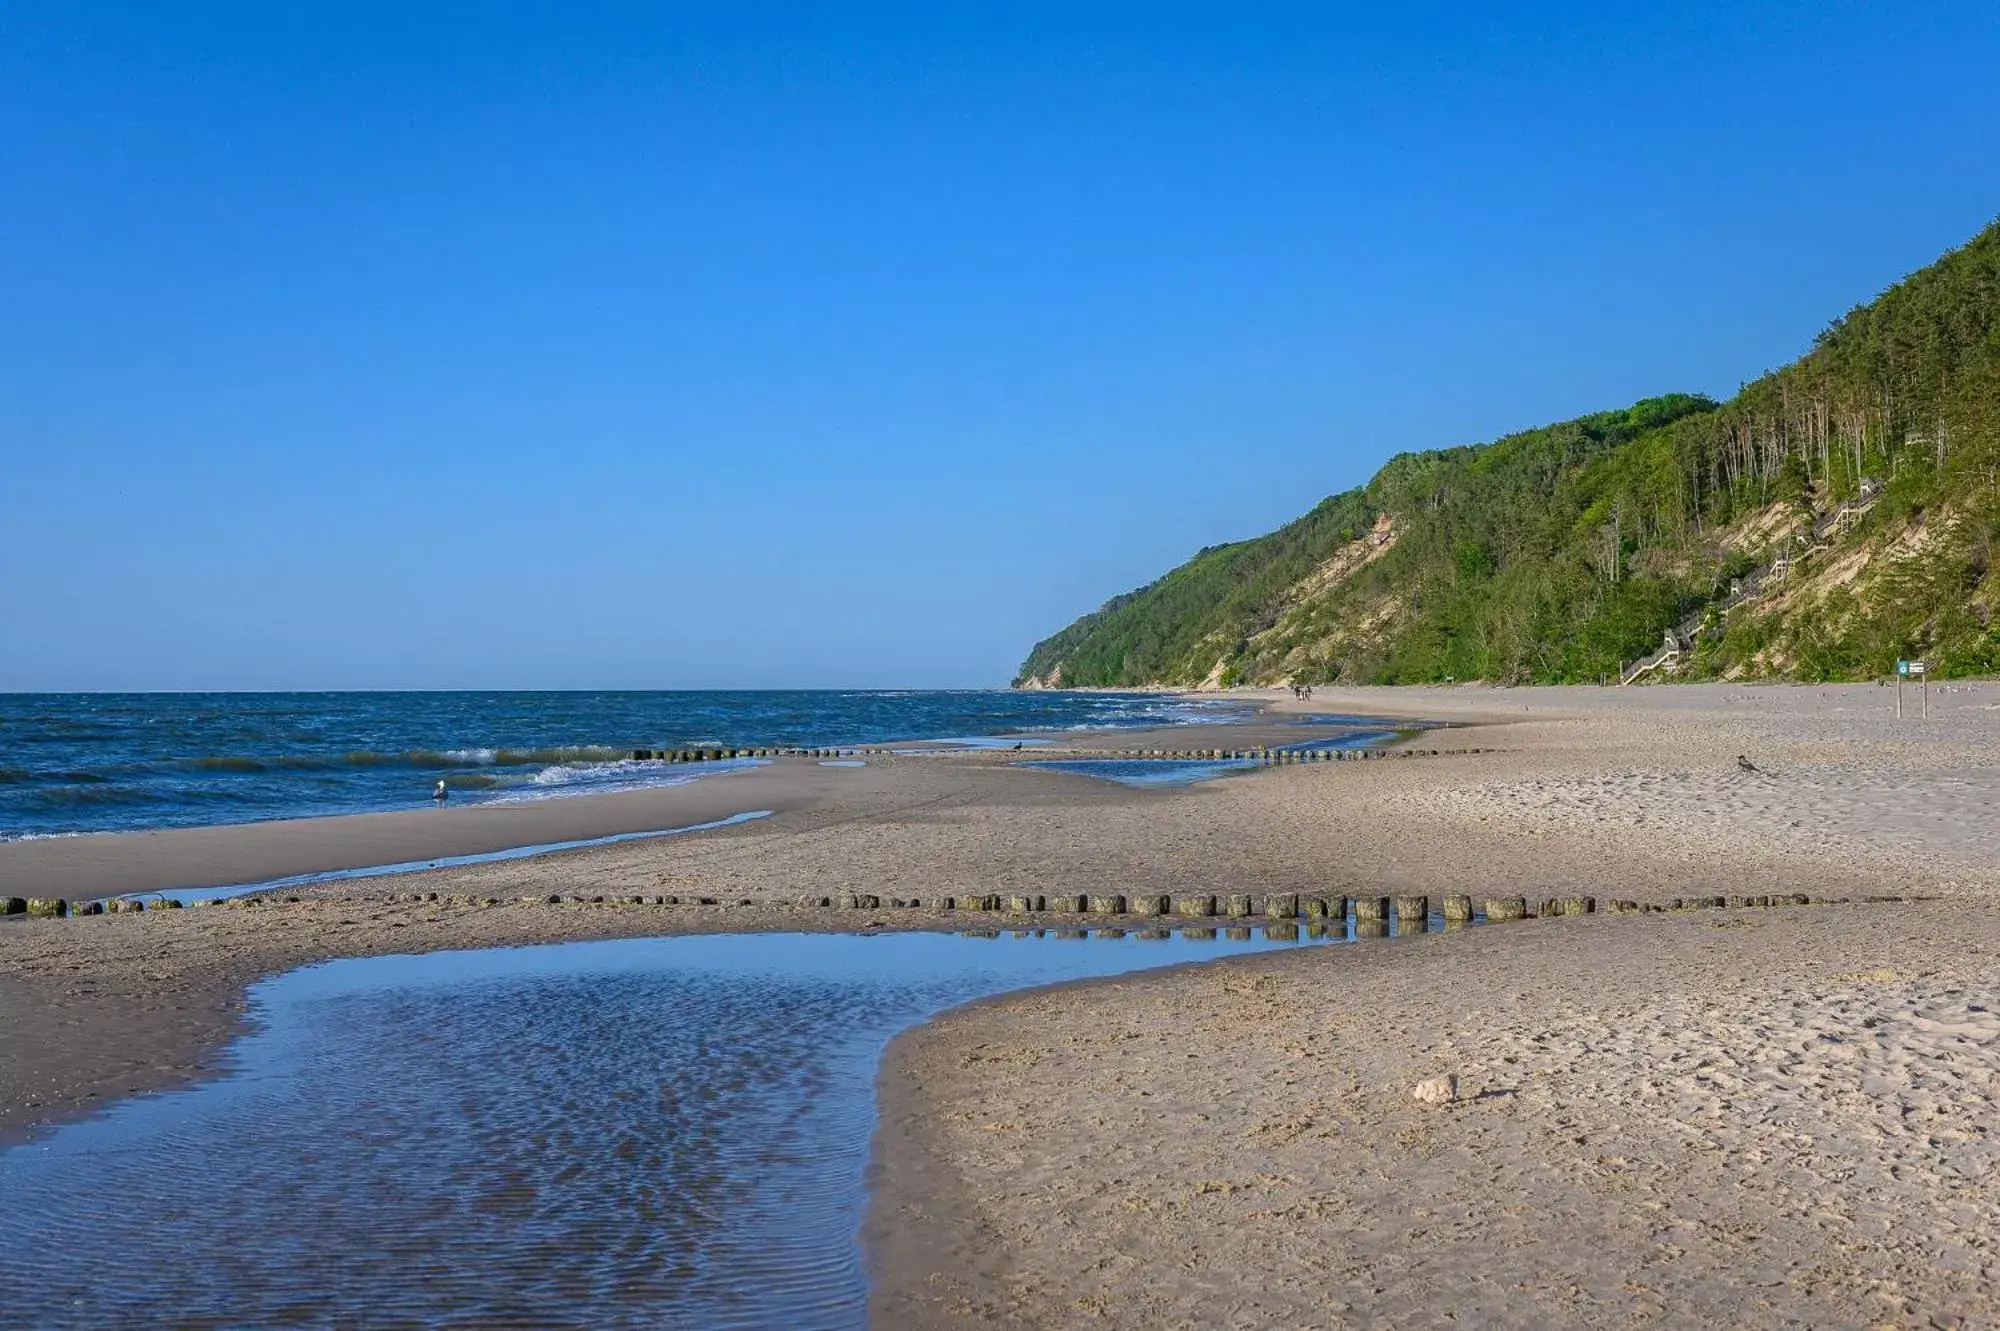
[1437,1091]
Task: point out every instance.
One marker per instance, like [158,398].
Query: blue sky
[660,346]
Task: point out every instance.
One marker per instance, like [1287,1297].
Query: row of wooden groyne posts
[1411,914]
[1263,755]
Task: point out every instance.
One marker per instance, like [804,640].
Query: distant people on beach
[1303,692]
[440,794]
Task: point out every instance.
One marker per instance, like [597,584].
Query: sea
[78,763]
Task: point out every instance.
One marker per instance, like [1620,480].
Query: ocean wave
[106,793]
[490,757]
[483,781]
[90,763]
[614,778]
[233,764]
[411,758]
[1160,714]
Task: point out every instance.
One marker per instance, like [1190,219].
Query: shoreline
[469,770]
[164,993]
[1588,792]
[108,864]
[97,865]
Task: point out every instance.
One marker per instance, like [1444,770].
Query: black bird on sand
[1745,763]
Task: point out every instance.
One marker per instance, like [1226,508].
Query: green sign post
[1904,670]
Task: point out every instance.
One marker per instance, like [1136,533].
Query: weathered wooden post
[1506,908]
[1241,906]
[1282,906]
[1413,914]
[1194,905]
[1106,904]
[1371,909]
[1457,910]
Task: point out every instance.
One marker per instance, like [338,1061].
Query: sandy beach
[1716,1117]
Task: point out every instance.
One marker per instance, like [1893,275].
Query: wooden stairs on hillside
[1679,641]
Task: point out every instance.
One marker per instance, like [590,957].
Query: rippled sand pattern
[655,1132]
[1723,1120]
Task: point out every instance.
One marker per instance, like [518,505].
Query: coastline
[103,864]
[1633,794]
[145,1002]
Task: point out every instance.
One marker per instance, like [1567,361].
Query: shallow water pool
[652,1132]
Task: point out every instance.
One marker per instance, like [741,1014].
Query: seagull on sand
[1745,763]
[440,794]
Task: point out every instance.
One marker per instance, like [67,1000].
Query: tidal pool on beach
[648,1132]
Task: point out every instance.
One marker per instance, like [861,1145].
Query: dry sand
[1721,1119]
[1699,1126]
[1726,1118]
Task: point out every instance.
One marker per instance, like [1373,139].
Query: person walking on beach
[440,794]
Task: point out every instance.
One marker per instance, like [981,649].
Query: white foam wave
[565,780]
[473,757]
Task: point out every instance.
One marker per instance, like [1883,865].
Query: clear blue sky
[407,345]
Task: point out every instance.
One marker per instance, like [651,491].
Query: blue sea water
[73,763]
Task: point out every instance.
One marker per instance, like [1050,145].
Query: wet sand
[109,864]
[1160,1166]
[129,862]
[106,1006]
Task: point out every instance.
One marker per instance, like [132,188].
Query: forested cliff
[1833,516]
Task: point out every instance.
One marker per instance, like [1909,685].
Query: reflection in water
[655,1132]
